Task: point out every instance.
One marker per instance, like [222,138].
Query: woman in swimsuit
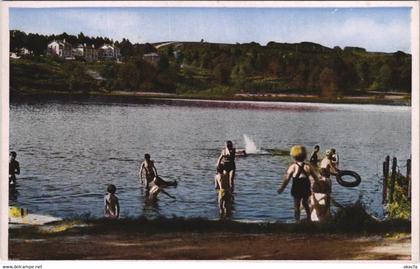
[299,172]
[226,162]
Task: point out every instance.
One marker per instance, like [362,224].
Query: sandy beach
[206,240]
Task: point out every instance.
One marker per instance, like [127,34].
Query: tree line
[194,67]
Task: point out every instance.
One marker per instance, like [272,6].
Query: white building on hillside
[109,52]
[25,51]
[90,53]
[78,51]
[86,52]
[61,49]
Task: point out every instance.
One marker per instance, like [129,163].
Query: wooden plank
[393,177]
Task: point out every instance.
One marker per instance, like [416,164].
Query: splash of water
[250,146]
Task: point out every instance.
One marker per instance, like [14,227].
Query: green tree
[163,64]
[384,77]
[18,40]
[221,73]
[328,82]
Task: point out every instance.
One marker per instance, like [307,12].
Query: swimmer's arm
[104,205]
[164,192]
[333,169]
[117,207]
[141,172]
[219,159]
[154,169]
[286,179]
[312,156]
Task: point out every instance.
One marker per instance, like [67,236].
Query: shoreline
[202,239]
[136,97]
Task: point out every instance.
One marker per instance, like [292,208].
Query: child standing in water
[299,172]
[112,206]
[225,195]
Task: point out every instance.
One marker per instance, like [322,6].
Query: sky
[376,29]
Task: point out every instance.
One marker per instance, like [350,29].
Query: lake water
[69,152]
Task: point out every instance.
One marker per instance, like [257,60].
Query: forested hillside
[213,69]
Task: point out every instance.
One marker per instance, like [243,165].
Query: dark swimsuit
[228,162]
[314,159]
[13,168]
[301,187]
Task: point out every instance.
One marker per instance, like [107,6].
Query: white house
[61,49]
[25,51]
[13,55]
[78,51]
[109,52]
[90,53]
[86,52]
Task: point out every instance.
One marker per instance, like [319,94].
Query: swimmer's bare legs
[307,209]
[232,180]
[297,209]
[216,184]
[222,206]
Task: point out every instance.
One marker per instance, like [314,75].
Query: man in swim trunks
[300,173]
[14,168]
[226,162]
[147,171]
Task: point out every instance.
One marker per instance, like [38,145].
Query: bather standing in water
[328,163]
[334,159]
[14,168]
[226,162]
[320,199]
[314,157]
[111,203]
[149,172]
[300,173]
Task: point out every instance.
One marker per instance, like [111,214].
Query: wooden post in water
[385,168]
[387,165]
[384,187]
[393,177]
[408,177]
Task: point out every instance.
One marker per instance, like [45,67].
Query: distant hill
[217,69]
